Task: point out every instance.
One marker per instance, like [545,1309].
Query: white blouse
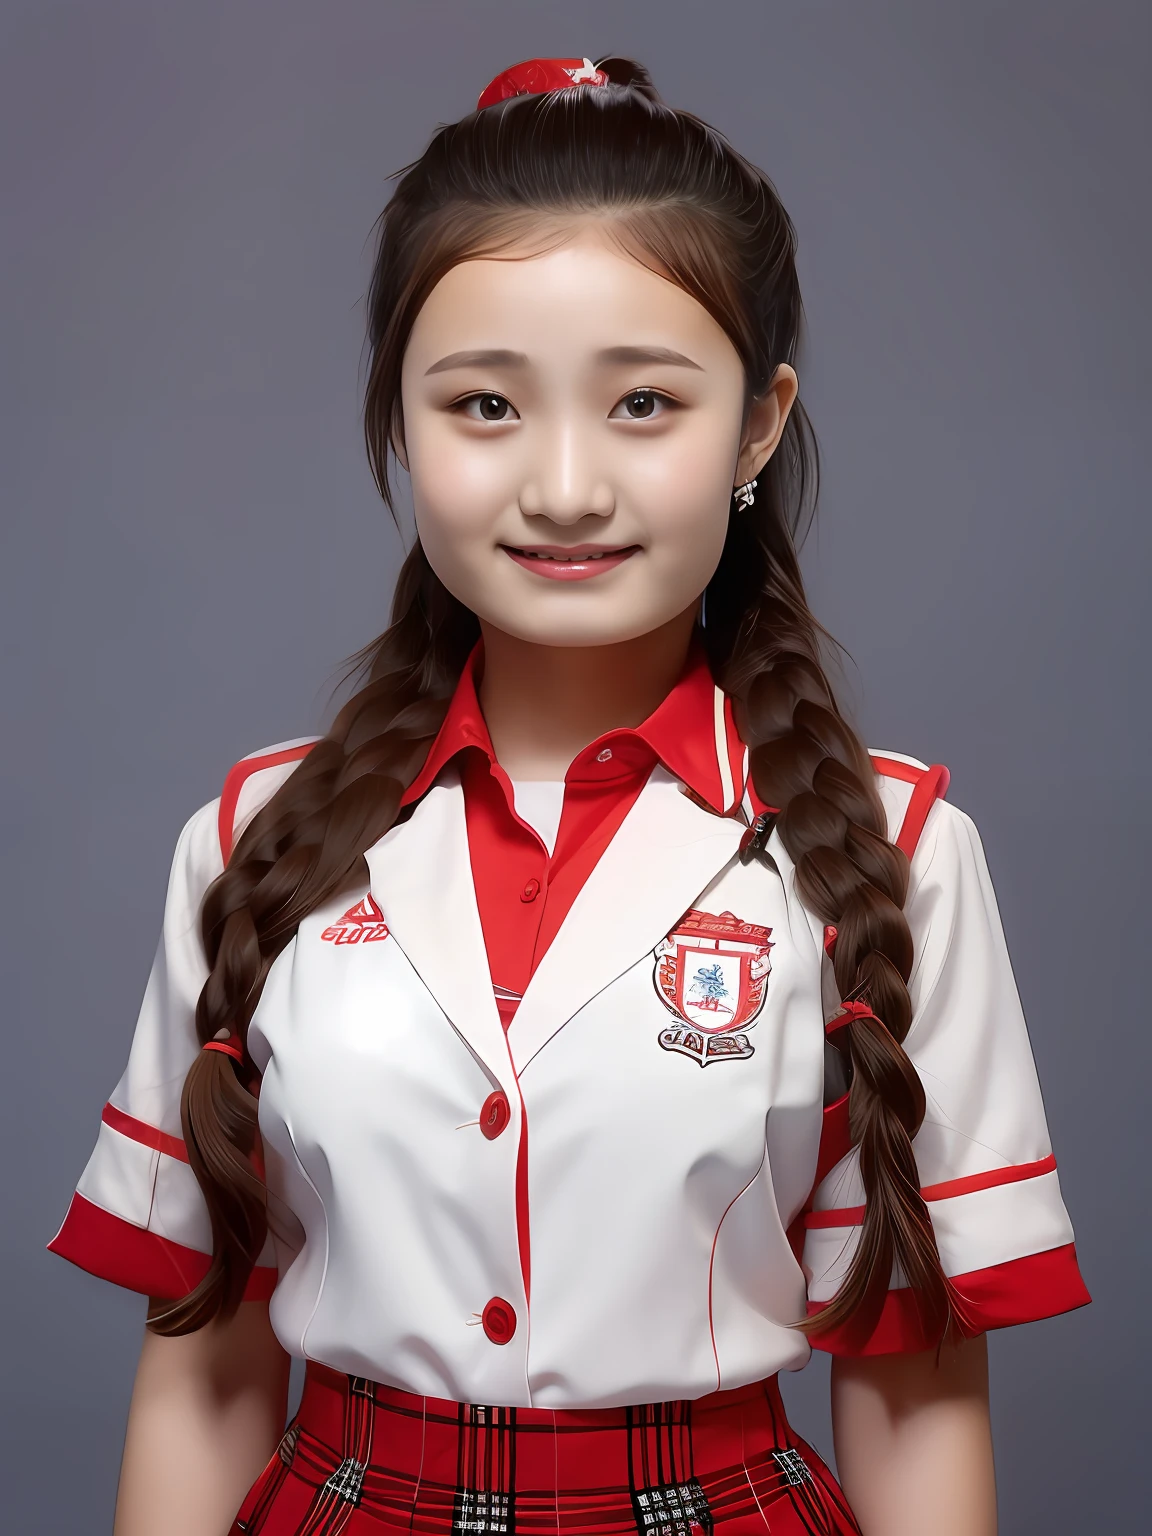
[593,1208]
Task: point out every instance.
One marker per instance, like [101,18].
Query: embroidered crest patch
[712,972]
[362,924]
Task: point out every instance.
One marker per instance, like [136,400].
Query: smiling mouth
[575,564]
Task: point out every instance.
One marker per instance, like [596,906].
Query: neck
[543,704]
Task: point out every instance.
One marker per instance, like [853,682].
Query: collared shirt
[631,1191]
[523,892]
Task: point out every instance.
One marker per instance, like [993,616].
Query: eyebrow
[647,355]
[495,357]
[500,357]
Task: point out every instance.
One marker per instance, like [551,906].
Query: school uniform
[550,1174]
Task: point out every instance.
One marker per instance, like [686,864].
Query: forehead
[572,287]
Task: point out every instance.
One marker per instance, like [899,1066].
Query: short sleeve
[987,1172]
[138,1217]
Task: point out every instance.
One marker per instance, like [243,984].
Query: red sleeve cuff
[127,1255]
[1021,1291]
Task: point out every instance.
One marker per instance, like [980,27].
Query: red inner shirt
[522,893]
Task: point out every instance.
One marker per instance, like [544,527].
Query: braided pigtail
[806,760]
[298,851]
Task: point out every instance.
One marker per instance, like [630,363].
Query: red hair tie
[849,1013]
[230,1047]
[533,76]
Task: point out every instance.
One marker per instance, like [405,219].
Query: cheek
[686,552]
[683,492]
[458,488]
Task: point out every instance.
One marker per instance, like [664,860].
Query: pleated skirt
[363,1459]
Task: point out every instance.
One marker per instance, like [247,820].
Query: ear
[767,418]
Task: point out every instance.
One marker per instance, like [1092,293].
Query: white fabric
[539,802]
[969,1044]
[658,1190]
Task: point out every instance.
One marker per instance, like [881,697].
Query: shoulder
[909,789]
[251,783]
[207,837]
[941,841]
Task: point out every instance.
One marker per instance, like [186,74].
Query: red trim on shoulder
[893,768]
[1019,1291]
[234,783]
[119,1251]
[140,1130]
[929,785]
[853,1215]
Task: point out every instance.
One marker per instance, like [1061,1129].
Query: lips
[579,562]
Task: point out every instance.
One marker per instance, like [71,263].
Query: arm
[913,1442]
[207,1411]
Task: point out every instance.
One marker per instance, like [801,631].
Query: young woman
[588,1022]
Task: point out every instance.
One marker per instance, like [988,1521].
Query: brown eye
[642,405]
[487,407]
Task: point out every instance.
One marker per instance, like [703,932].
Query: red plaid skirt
[361,1458]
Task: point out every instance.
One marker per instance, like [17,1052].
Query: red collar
[682,733]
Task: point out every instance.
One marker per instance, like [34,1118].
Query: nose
[566,481]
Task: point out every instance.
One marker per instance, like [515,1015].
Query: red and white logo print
[712,973]
[362,924]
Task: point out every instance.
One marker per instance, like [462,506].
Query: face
[573,429]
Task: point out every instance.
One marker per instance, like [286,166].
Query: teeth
[568,559]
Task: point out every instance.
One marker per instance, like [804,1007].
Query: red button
[530,891]
[499,1320]
[494,1115]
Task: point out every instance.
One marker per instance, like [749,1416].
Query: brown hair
[681,199]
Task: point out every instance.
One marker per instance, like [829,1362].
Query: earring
[745,495]
[704,609]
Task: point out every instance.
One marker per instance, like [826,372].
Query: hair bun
[628,72]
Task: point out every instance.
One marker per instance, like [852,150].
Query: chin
[572,631]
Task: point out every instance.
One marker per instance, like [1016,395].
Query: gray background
[192,543]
